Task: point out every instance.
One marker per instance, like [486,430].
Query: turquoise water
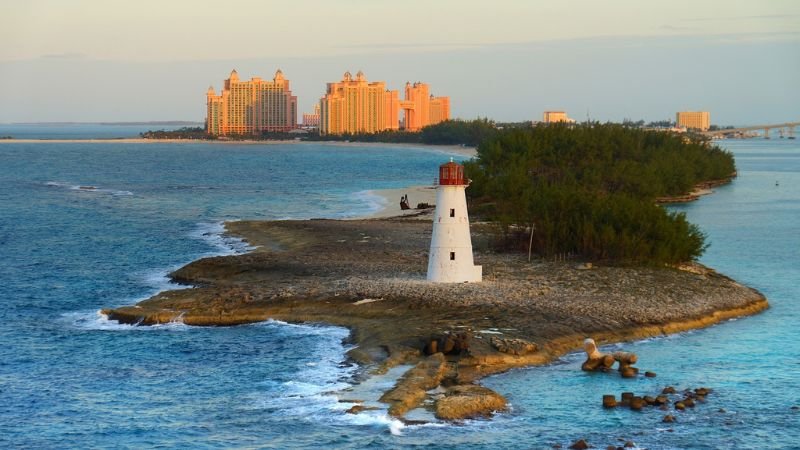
[69,378]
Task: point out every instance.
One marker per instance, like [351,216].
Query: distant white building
[450,259]
[556,117]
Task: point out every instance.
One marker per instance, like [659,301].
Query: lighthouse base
[447,272]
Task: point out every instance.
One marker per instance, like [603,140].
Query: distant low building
[693,120]
[251,107]
[311,120]
[556,117]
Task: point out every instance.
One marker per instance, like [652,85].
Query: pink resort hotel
[251,107]
[352,105]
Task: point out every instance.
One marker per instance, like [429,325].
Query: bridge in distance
[788,126]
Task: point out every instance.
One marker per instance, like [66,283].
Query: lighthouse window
[452,212]
[452,256]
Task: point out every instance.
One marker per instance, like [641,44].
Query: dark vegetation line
[588,189]
[451,132]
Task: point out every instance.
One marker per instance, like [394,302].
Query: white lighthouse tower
[450,259]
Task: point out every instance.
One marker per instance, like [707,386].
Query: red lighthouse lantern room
[452,174]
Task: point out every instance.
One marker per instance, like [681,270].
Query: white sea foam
[372,201]
[224,244]
[95,320]
[314,393]
[89,189]
[159,281]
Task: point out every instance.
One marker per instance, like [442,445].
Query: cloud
[752,17]
[66,55]
[676,28]
[409,47]
[740,38]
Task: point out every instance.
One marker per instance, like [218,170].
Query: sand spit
[369,276]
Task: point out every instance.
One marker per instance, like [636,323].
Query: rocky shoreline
[369,276]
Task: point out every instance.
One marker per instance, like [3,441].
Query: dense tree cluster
[180,133]
[590,189]
[449,132]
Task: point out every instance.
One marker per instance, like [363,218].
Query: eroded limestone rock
[513,346]
[467,401]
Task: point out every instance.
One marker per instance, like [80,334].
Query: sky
[508,60]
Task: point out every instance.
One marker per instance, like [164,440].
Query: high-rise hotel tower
[422,109]
[355,105]
[251,107]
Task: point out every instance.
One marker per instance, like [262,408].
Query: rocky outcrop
[469,401]
[511,346]
[449,343]
[323,271]
[411,389]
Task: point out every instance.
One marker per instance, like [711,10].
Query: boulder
[359,408]
[625,359]
[580,444]
[511,346]
[609,401]
[668,390]
[669,418]
[432,347]
[595,359]
[702,391]
[467,401]
[637,403]
[626,398]
[449,344]
[650,374]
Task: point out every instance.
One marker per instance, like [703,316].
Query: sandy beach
[390,199]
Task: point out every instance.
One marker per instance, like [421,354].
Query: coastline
[390,202]
[457,149]
[697,191]
[367,275]
[360,295]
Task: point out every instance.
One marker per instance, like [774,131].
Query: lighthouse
[450,259]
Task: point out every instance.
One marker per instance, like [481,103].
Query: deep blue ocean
[85,226]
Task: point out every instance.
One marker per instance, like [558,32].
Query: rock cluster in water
[669,395]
